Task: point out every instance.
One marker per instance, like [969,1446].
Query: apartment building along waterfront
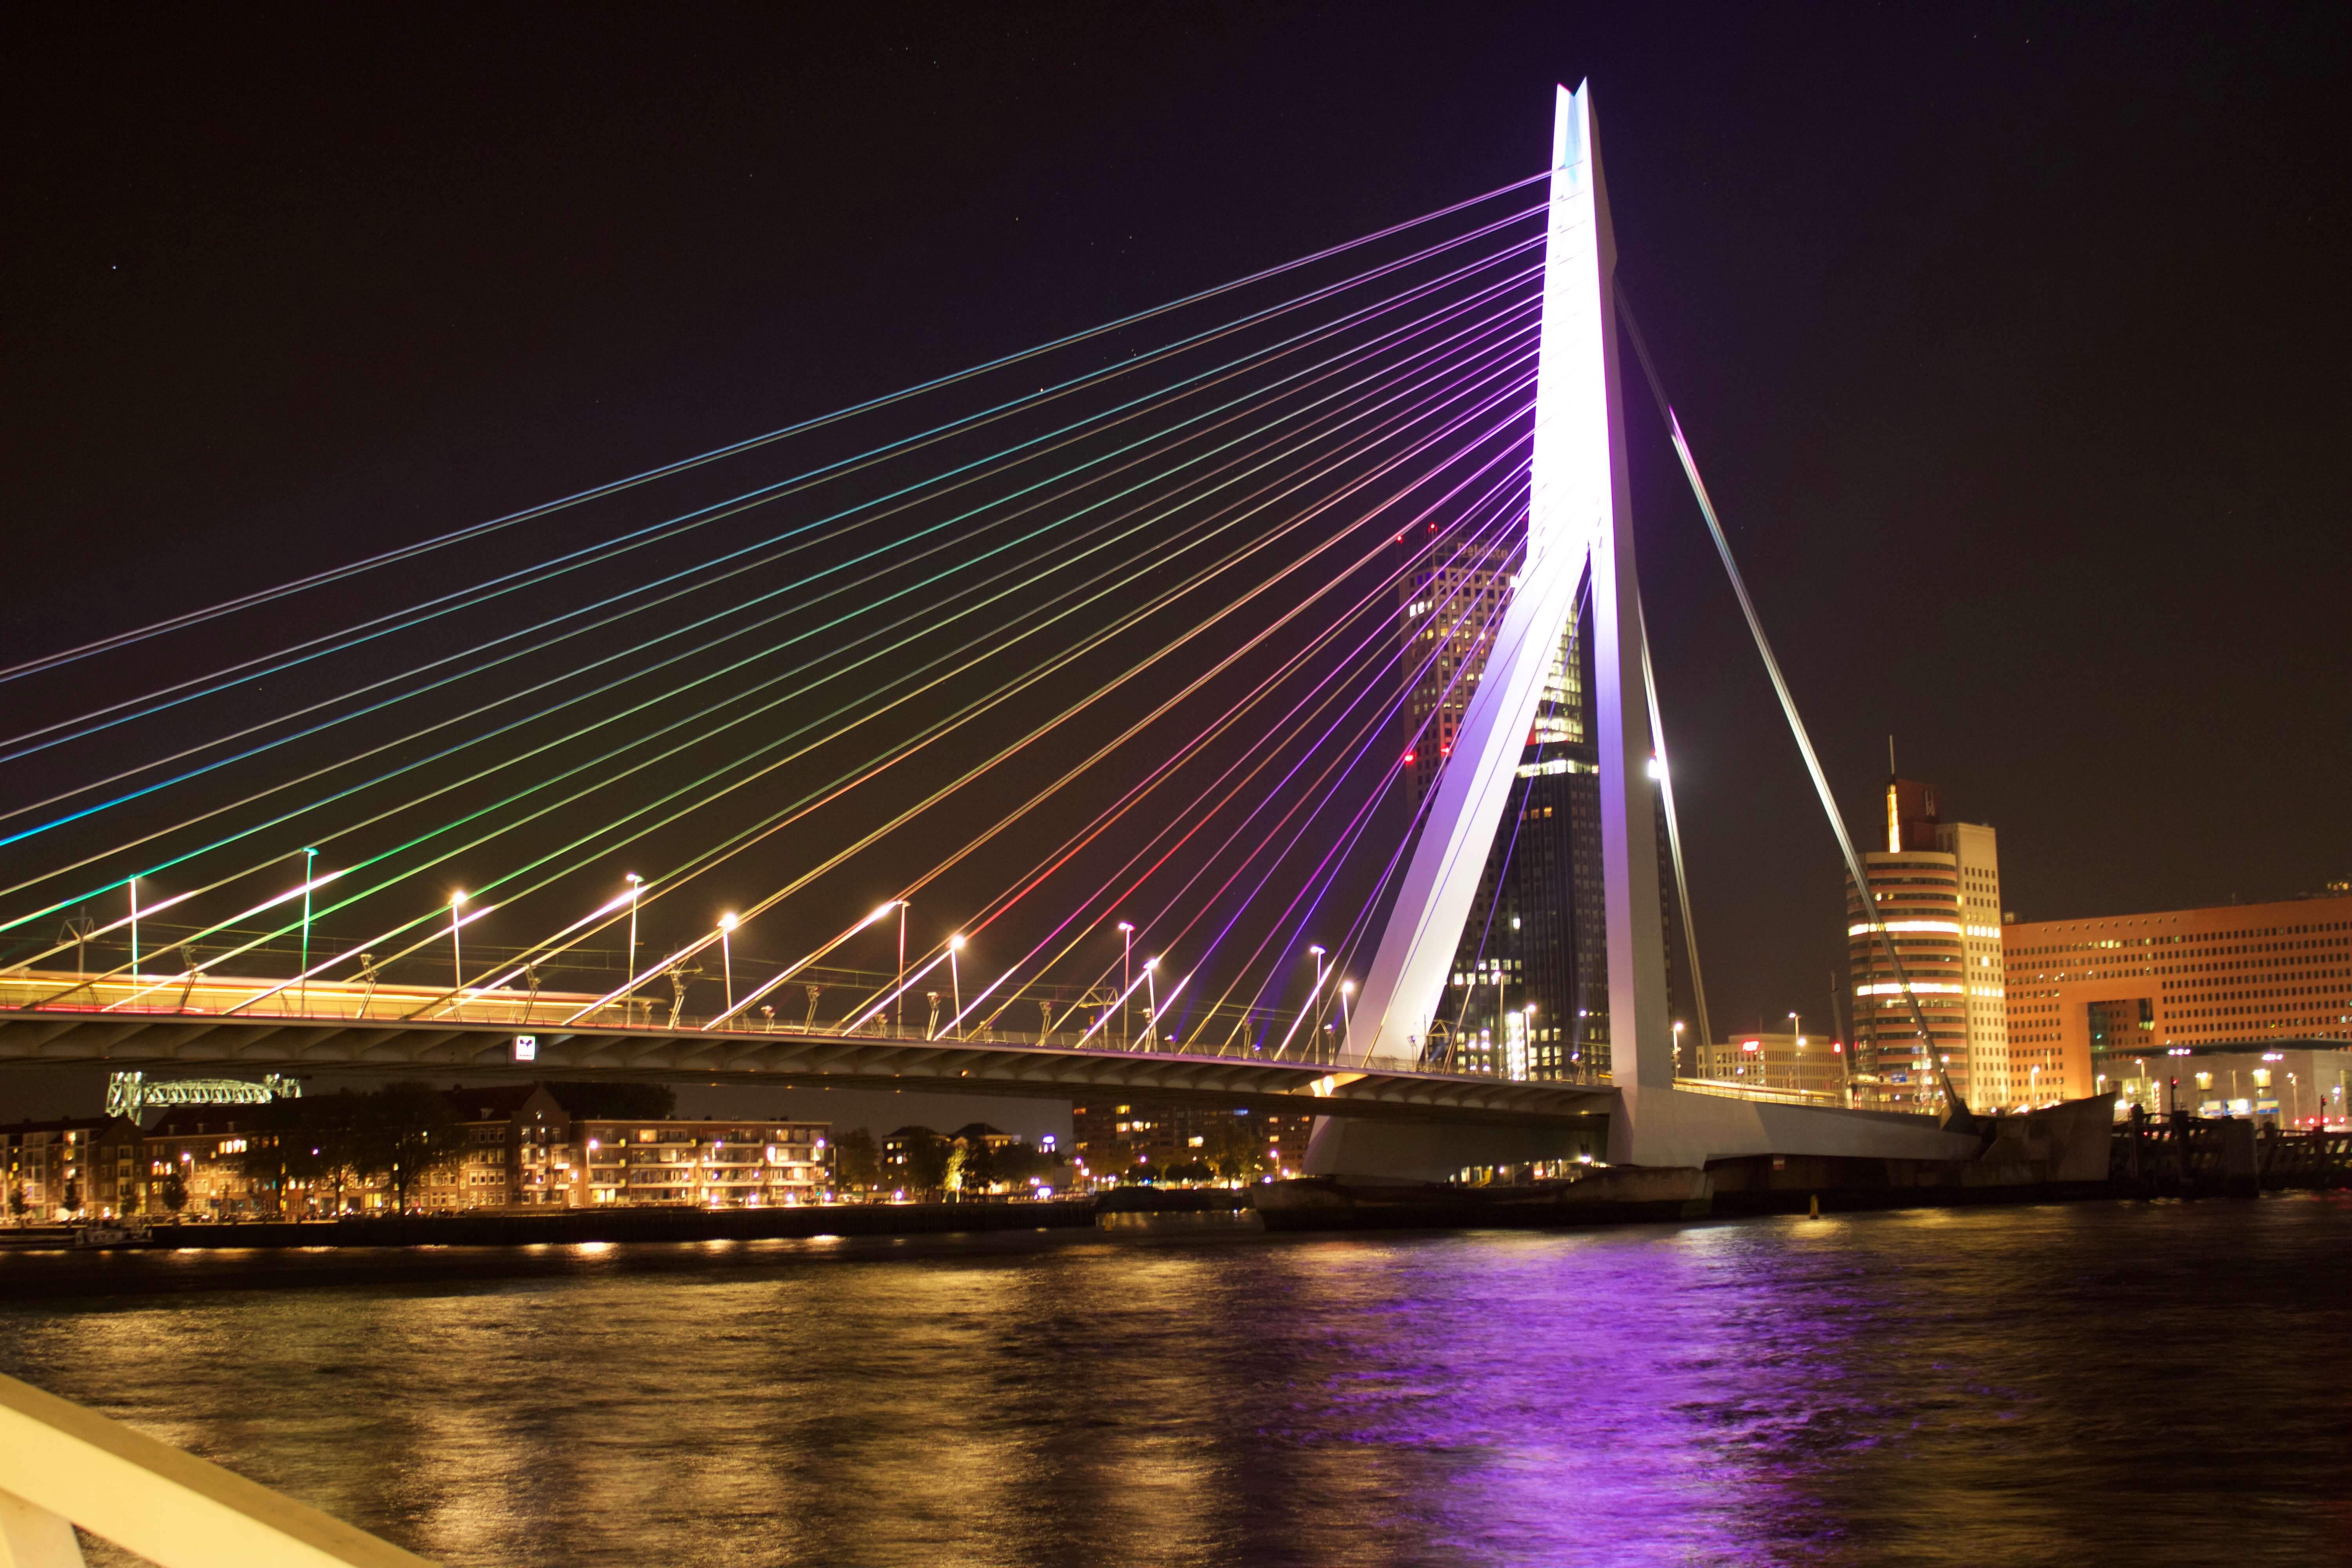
[1937,887]
[520,1149]
[75,1164]
[2093,999]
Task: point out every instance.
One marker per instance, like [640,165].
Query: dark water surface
[2101,1383]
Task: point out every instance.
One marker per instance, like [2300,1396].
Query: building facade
[1936,888]
[1804,1063]
[73,1168]
[735,1163]
[2094,998]
[519,1148]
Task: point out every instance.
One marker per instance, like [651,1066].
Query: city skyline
[1876,400]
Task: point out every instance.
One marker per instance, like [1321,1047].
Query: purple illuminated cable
[1427,660]
[741,840]
[539,572]
[1349,942]
[407,552]
[1503,520]
[1376,723]
[1004,902]
[1344,948]
[1099,896]
[1516,388]
[1164,766]
[1378,631]
[1268,875]
[1093,424]
[363,786]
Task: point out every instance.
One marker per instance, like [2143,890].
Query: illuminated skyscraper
[1529,993]
[1937,886]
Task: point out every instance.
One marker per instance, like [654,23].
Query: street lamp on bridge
[955,982]
[302,1004]
[456,954]
[1126,978]
[635,883]
[726,956]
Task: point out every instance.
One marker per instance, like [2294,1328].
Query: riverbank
[566,1227]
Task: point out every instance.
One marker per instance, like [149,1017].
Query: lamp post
[1126,977]
[727,956]
[898,1002]
[955,983]
[637,883]
[302,1002]
[456,954]
[1797,1033]
[1678,1048]
[1317,952]
[1151,1000]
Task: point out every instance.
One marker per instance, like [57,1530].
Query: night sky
[2011,341]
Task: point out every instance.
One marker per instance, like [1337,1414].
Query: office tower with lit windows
[2096,998]
[1936,887]
[1528,994]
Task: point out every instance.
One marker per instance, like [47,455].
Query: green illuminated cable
[542,746]
[1220,372]
[476,815]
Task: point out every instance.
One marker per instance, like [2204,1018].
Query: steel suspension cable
[120,639]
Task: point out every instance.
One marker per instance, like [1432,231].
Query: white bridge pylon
[1579,510]
[1579,513]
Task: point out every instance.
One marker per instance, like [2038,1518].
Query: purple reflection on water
[2143,1384]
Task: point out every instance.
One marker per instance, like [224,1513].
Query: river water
[2135,1383]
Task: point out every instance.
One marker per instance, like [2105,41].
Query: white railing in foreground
[61,1465]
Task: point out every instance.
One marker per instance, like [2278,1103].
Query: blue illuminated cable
[1235,368]
[318,579]
[743,839]
[153,870]
[1327,690]
[970,713]
[1516,388]
[1249,901]
[96,719]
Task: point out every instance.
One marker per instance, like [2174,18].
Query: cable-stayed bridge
[1042,728]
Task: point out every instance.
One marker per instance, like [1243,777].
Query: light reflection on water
[2095,1383]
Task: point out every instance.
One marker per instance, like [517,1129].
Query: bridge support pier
[1441,1151]
[1676,1129]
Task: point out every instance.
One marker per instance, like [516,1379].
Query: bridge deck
[60,1019]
